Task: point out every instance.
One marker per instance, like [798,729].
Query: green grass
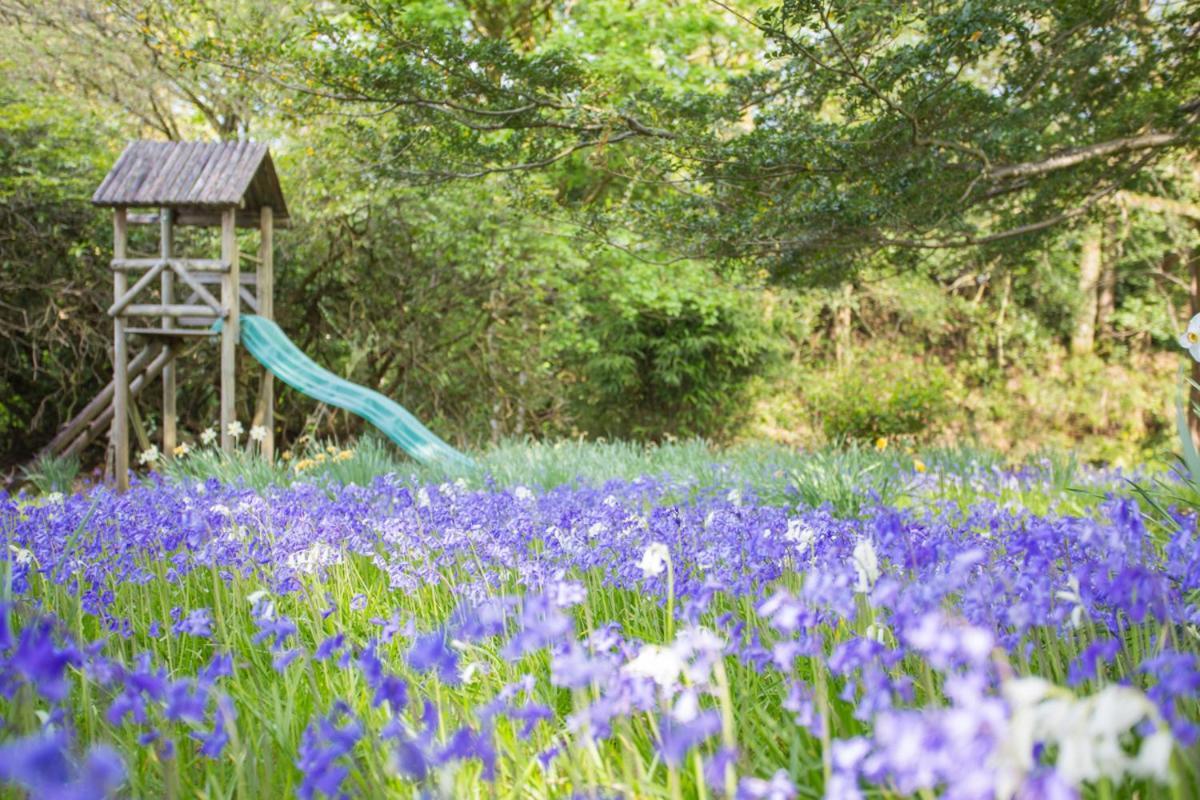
[847,478]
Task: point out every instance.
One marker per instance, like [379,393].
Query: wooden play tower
[229,185]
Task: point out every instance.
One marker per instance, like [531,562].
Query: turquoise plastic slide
[267,342]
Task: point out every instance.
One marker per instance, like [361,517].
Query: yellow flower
[182,449]
[918,465]
[345,455]
[319,458]
[287,455]
[331,449]
[881,444]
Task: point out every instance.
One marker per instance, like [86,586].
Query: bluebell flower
[325,741]
[220,666]
[42,765]
[431,652]
[197,623]
[678,737]
[284,658]
[42,662]
[213,743]
[329,646]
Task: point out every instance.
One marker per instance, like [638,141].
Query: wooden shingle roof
[193,176]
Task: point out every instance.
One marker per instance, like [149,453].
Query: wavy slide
[267,342]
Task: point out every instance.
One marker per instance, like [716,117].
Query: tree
[862,126]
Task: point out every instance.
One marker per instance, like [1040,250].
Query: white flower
[234,429]
[314,559]
[661,664]
[468,672]
[257,432]
[257,595]
[734,497]
[800,534]
[654,560]
[866,565]
[54,499]
[208,436]
[20,554]
[422,498]
[1072,596]
[1190,339]
[687,707]
[1090,734]
[149,455]
[522,494]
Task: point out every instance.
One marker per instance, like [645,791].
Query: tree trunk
[1193,264]
[842,319]
[1106,294]
[1090,262]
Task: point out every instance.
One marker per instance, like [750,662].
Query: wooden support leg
[229,331]
[266,309]
[120,423]
[166,242]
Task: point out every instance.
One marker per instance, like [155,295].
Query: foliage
[681,217]
[664,353]
[53,278]
[903,397]
[50,474]
[862,126]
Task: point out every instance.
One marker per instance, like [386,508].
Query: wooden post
[229,330]
[165,245]
[266,310]
[120,423]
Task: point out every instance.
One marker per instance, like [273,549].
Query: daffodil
[258,433]
[182,449]
[149,455]
[881,443]
[1190,339]
[235,429]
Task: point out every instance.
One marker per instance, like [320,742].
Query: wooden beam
[229,331]
[170,333]
[108,415]
[197,287]
[120,418]
[166,241]
[98,403]
[249,298]
[266,309]
[192,264]
[124,300]
[173,310]
[192,218]
[216,279]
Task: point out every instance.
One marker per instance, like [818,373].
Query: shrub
[903,397]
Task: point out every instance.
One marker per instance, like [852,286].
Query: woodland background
[815,221]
